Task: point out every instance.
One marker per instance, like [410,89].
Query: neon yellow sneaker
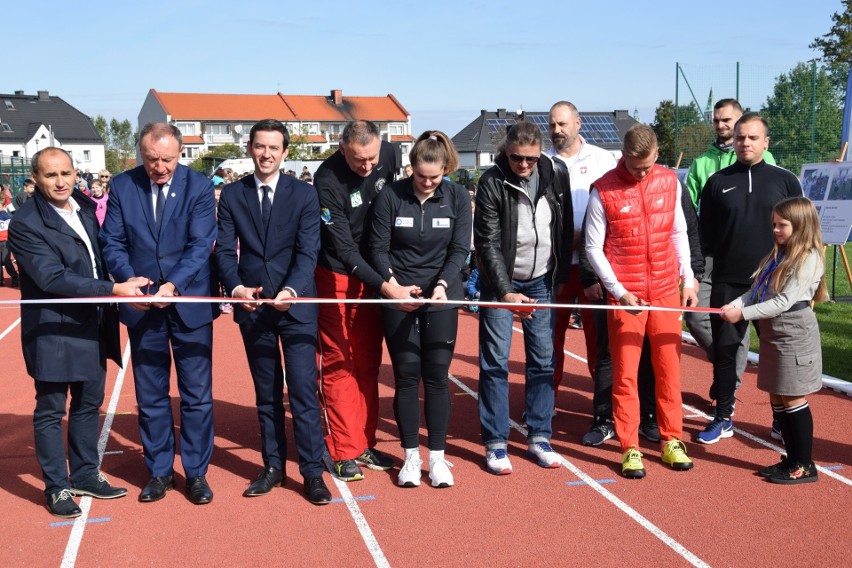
[631,464]
[674,454]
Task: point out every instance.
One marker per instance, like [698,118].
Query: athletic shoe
[776,431]
[439,473]
[98,487]
[543,454]
[61,504]
[771,470]
[375,460]
[674,454]
[601,431]
[226,308]
[409,475]
[717,429]
[497,461]
[348,470]
[631,464]
[794,474]
[648,428]
[576,321]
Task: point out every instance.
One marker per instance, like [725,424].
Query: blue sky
[443,60]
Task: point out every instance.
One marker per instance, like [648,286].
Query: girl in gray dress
[788,279]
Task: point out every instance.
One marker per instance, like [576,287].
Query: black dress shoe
[198,491]
[269,477]
[61,504]
[98,487]
[156,489]
[318,493]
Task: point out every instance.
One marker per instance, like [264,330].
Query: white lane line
[770,445]
[362,524]
[679,549]
[76,536]
[10,328]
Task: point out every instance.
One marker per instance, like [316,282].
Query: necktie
[265,206]
[161,204]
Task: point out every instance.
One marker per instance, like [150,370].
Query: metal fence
[803,104]
[13,171]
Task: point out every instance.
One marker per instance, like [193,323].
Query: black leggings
[421,344]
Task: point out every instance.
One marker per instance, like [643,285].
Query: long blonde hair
[806,237]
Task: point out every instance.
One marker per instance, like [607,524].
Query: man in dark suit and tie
[161,223]
[66,345]
[275,219]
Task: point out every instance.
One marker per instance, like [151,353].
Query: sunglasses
[105,177]
[518,159]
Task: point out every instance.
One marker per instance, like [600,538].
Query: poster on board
[829,186]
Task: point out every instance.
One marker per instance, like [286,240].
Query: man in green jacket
[720,154]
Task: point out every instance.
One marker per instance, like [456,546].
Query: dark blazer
[178,253]
[285,256]
[62,342]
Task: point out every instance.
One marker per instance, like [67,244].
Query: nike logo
[729,189]
[626,209]
[660,201]
[444,205]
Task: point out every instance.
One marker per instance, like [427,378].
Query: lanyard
[763,281]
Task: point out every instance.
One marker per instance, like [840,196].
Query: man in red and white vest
[637,243]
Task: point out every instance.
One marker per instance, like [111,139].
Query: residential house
[208,120]
[29,123]
[477,142]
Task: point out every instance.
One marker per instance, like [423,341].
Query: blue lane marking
[601,481]
[67,523]
[832,467]
[361,498]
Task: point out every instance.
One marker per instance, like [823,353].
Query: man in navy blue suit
[161,224]
[275,219]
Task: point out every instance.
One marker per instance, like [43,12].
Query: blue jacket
[179,253]
[62,342]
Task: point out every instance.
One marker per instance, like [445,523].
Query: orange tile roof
[208,106]
[305,108]
[193,140]
[402,138]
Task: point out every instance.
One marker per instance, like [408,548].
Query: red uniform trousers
[568,292]
[626,334]
[350,343]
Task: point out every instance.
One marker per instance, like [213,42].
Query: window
[219,129]
[186,128]
[396,129]
[5,127]
[87,155]
[9,105]
[310,128]
[190,152]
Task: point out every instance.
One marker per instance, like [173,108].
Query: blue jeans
[495,341]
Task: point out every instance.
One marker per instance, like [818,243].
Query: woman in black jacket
[420,236]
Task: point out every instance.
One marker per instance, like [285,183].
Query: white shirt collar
[273,183]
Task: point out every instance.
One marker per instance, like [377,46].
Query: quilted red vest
[640,216]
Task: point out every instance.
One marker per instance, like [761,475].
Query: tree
[299,149]
[836,46]
[665,118]
[208,160]
[119,142]
[804,125]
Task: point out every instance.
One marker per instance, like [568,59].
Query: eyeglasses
[518,159]
[105,177]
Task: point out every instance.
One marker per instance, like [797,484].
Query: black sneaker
[795,473]
[375,460]
[601,431]
[648,428]
[61,504]
[771,470]
[348,470]
[98,487]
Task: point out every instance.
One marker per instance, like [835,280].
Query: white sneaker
[439,473]
[543,454]
[409,475]
[497,461]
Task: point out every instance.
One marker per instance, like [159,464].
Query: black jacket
[62,342]
[495,224]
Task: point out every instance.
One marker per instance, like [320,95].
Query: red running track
[718,514]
